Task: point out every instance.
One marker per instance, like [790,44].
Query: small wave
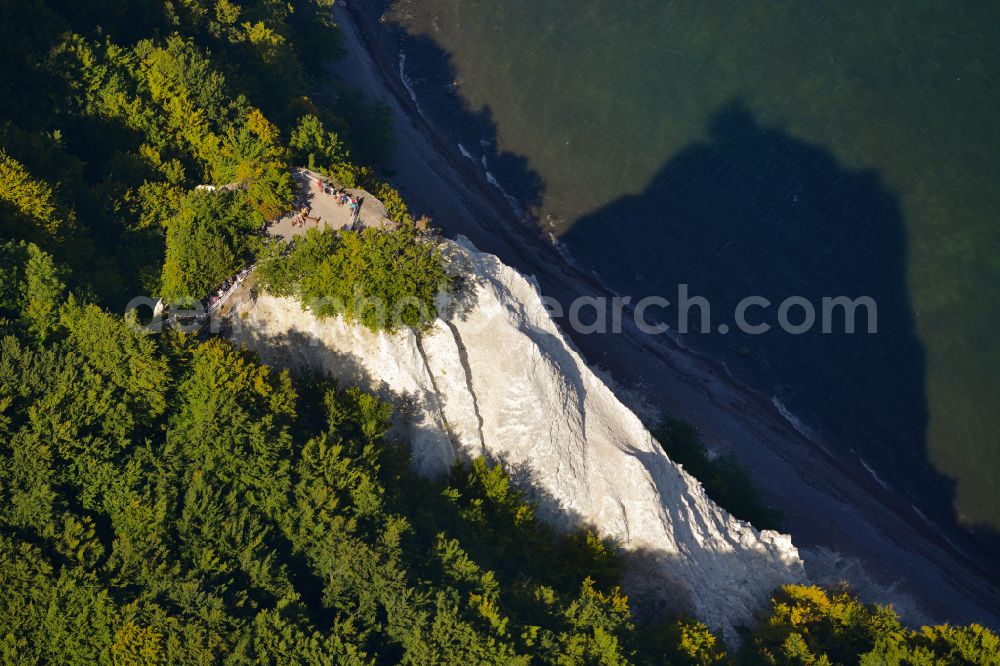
[566,254]
[885,486]
[937,528]
[796,423]
[515,206]
[924,518]
[406,81]
[465,153]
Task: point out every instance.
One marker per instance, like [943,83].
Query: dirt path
[828,503]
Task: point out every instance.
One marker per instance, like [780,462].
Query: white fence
[215,302]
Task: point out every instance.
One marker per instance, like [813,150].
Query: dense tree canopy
[322,150]
[808,625]
[208,240]
[382,279]
[111,112]
[31,286]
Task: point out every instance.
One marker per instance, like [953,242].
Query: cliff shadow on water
[753,211]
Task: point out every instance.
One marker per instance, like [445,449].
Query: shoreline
[863,520]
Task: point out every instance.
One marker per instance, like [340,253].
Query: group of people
[340,195]
[225,288]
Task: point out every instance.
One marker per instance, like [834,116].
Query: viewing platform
[324,210]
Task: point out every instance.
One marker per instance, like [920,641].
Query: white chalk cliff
[500,379]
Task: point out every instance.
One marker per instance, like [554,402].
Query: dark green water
[786,148]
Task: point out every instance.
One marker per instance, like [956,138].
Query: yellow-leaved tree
[30,201]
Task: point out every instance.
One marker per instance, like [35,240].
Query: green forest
[168,499]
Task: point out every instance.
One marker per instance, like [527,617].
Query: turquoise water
[786,148]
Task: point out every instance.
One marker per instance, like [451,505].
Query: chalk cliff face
[500,379]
